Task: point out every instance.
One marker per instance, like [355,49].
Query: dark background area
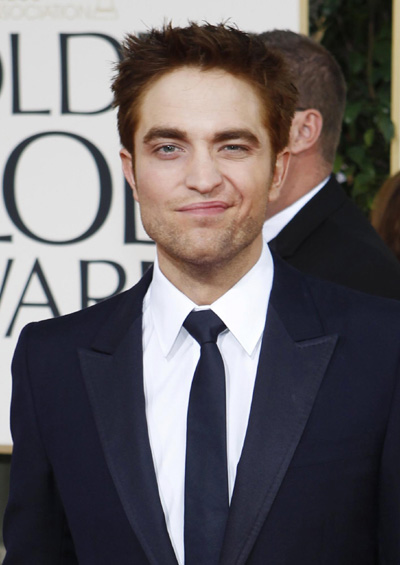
[359,33]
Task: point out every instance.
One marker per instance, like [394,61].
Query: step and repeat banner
[70,234]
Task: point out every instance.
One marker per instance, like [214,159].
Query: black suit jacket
[330,238]
[318,482]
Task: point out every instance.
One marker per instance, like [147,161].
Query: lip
[205,208]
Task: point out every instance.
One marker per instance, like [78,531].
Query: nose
[202,173]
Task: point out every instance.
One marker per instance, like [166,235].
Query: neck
[205,283]
[304,173]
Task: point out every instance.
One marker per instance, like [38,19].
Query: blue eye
[167,149]
[234,147]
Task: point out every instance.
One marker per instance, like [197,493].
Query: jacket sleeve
[35,527]
[389,487]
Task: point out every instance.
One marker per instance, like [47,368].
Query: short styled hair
[319,81]
[151,55]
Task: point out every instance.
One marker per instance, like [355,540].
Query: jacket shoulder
[330,238]
[80,328]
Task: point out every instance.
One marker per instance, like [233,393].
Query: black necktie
[206,474]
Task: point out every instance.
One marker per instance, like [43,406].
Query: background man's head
[148,57]
[319,81]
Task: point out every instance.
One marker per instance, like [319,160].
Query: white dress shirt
[275,224]
[170,356]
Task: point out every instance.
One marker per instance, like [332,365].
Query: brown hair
[385,215]
[149,56]
[319,81]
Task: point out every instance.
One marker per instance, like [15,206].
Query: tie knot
[204,325]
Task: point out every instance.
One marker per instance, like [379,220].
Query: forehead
[192,99]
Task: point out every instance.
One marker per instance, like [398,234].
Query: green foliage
[358,34]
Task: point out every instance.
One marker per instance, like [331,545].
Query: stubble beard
[202,252]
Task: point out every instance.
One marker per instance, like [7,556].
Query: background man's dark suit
[330,238]
[318,480]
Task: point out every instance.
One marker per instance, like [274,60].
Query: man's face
[202,168]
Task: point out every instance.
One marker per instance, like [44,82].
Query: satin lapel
[289,375]
[113,375]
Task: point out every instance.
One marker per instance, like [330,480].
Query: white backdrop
[69,233]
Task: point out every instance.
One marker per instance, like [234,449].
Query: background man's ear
[305,130]
[127,167]
[281,167]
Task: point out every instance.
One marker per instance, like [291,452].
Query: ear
[305,130]
[281,167]
[127,167]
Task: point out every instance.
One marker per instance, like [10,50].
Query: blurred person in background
[313,224]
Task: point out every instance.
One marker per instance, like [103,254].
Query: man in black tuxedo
[313,224]
[228,408]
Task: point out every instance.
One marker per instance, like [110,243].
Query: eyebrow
[167,133]
[244,134]
[226,135]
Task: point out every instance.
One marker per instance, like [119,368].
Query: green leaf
[385,125]
[362,184]
[358,155]
[357,61]
[353,109]
[369,136]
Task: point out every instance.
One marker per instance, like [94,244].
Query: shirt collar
[243,308]
[276,223]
